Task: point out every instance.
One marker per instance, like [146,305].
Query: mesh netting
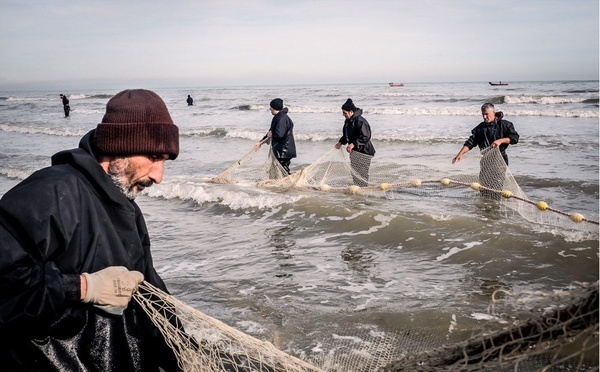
[532,332]
[555,331]
[482,174]
[251,168]
[207,344]
[564,338]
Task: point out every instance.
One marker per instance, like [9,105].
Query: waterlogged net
[207,344]
[557,332]
[482,174]
[536,331]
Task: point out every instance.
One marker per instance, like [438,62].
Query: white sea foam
[15,173]
[62,132]
[250,327]
[78,96]
[454,250]
[236,199]
[29,99]
[548,108]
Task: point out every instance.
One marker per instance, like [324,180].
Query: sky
[174,43]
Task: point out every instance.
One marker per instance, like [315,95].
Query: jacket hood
[84,160]
[357,113]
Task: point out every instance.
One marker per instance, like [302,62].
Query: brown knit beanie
[137,122]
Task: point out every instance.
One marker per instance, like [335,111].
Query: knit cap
[277,104]
[137,122]
[349,106]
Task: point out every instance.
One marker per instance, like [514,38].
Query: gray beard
[130,194]
[118,173]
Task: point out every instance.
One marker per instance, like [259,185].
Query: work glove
[110,289]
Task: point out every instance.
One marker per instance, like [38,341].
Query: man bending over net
[492,132]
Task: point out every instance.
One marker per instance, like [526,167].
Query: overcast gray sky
[171,43]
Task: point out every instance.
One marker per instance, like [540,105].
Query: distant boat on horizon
[396,85]
[498,83]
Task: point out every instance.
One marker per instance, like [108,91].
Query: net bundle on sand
[482,174]
[555,331]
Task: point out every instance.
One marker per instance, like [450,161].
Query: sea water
[298,267]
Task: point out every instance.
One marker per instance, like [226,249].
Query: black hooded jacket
[358,131]
[485,133]
[62,221]
[282,131]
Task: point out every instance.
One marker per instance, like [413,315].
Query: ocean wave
[409,94]
[103,96]
[557,113]
[468,111]
[92,96]
[78,96]
[460,110]
[320,136]
[13,173]
[582,91]
[94,112]
[62,132]
[334,135]
[591,100]
[234,197]
[245,107]
[44,99]
[544,100]
[29,99]
[217,132]
[558,183]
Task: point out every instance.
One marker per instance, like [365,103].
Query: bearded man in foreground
[74,247]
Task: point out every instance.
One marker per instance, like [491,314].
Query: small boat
[498,83]
[396,85]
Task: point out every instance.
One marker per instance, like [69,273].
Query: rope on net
[353,173]
[492,157]
[507,194]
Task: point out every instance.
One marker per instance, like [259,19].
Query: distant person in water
[190,101]
[281,135]
[356,134]
[66,106]
[492,132]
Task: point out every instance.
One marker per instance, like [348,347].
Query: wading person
[492,132]
[356,134]
[281,135]
[74,247]
[66,106]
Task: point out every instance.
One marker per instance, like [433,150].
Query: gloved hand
[110,289]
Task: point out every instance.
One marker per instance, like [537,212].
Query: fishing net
[207,344]
[563,338]
[556,331]
[482,175]
[537,331]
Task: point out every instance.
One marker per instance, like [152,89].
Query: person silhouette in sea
[66,106]
[190,101]
[281,135]
[492,132]
[356,134]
